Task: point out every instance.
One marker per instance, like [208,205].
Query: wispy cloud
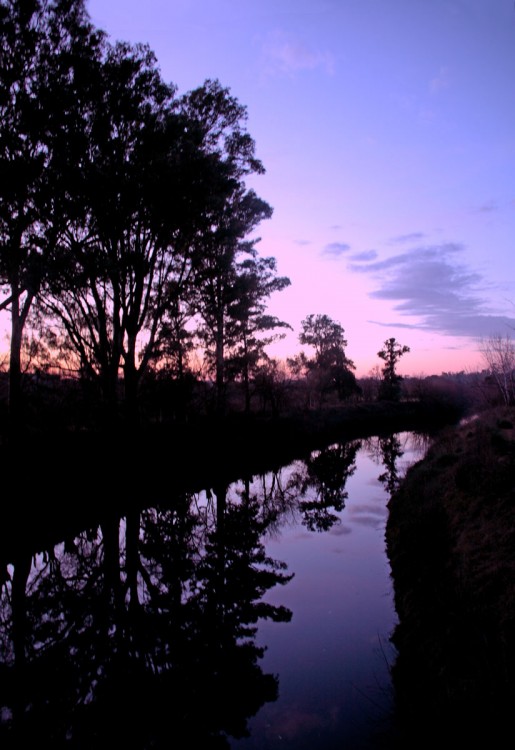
[303,242]
[486,208]
[364,256]
[335,249]
[432,283]
[403,238]
[285,54]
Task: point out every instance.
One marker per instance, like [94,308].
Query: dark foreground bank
[451,544]
[60,479]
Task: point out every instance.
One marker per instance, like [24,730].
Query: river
[249,615]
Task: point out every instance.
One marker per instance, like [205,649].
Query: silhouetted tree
[498,353]
[43,48]
[390,387]
[251,328]
[330,367]
[219,251]
[272,384]
[126,254]
[217,288]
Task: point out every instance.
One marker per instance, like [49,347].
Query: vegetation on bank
[129,263]
[451,544]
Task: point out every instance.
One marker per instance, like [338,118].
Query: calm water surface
[251,615]
[333,658]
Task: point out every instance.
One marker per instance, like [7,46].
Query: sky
[387,132]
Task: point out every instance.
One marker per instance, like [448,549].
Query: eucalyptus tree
[43,48]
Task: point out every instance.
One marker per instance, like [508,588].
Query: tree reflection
[391,450]
[322,482]
[140,631]
[387,451]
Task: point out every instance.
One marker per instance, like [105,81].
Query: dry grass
[451,543]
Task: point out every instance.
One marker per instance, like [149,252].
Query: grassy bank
[451,543]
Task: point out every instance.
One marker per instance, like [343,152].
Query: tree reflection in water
[141,631]
[387,450]
[322,481]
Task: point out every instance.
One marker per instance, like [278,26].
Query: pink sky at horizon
[387,133]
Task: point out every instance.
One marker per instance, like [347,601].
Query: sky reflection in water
[332,658]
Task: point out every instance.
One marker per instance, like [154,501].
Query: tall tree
[390,387]
[251,328]
[222,249]
[150,189]
[42,48]
[217,273]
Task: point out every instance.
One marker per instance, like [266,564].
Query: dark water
[249,615]
[333,658]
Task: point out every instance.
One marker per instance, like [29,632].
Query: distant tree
[218,284]
[370,383]
[498,354]
[330,366]
[390,387]
[252,329]
[271,383]
[326,336]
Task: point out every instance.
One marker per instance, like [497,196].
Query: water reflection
[387,450]
[323,476]
[144,628]
[141,630]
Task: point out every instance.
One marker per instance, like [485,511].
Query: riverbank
[451,544]
[62,479]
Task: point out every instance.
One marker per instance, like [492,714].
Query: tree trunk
[246,374]
[220,366]
[15,394]
[130,377]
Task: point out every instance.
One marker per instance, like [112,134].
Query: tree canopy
[390,387]
[330,366]
[124,213]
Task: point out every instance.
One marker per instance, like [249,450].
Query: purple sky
[387,130]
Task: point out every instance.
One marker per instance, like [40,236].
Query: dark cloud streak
[335,249]
[403,238]
[364,256]
[433,284]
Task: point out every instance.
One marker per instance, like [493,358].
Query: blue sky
[387,131]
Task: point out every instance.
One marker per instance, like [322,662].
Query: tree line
[126,225]
[127,228]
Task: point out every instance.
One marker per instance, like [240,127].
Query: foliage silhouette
[141,630]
